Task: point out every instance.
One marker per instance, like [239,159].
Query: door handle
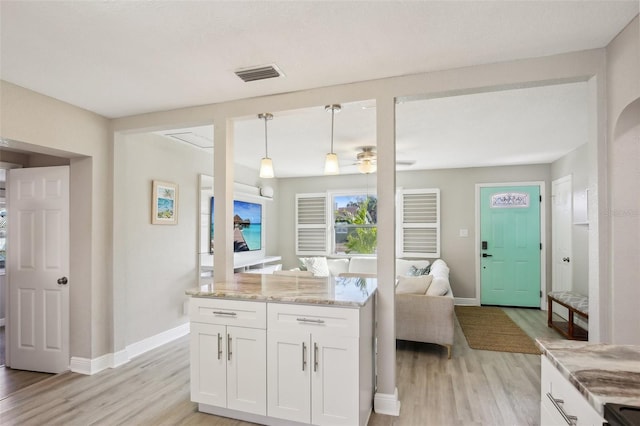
[229,347]
[486,255]
[219,346]
[63,281]
[566,259]
[315,357]
[304,355]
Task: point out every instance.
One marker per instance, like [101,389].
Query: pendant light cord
[266,152]
[333,112]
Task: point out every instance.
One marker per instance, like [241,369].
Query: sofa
[428,317]
[424,300]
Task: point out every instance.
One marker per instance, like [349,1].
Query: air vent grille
[259,73]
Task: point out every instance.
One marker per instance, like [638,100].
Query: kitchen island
[579,378]
[284,350]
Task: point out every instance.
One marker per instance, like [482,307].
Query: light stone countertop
[602,373]
[335,291]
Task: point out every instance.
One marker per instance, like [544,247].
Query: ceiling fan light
[266,168]
[331,166]
[367,166]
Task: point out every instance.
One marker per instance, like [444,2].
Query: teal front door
[510,246]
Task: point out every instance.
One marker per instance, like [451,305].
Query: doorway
[511,259]
[23,159]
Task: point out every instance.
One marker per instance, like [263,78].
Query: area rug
[491,329]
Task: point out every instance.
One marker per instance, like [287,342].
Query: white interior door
[562,219]
[38,269]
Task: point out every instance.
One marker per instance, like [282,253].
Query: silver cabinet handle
[229,340]
[571,420]
[315,321]
[315,357]
[232,314]
[219,346]
[304,355]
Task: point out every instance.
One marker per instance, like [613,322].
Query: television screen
[247,226]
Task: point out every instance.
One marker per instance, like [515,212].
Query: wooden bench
[576,304]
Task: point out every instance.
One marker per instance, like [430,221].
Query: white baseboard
[138,348]
[112,360]
[385,403]
[466,301]
[91,366]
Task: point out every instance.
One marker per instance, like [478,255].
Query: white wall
[457,198]
[576,164]
[623,109]
[156,263]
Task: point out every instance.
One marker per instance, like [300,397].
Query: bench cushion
[577,301]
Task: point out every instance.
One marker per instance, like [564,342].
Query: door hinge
[540,246]
[540,293]
[540,198]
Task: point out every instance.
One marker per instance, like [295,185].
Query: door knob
[63,281]
[486,255]
[566,259]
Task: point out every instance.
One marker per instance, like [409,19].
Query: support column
[386,398]
[223,195]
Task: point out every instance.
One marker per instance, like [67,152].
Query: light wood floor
[472,388]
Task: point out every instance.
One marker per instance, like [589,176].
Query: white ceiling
[119,58]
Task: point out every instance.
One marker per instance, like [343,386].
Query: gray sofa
[427,318]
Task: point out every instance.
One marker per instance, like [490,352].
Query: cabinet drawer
[315,319]
[228,312]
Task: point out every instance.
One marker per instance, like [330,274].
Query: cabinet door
[247,370]
[288,376]
[334,380]
[208,364]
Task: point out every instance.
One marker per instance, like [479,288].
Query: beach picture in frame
[164,210]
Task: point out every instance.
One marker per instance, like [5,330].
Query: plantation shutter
[419,233]
[311,224]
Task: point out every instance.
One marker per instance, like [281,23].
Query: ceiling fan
[367,160]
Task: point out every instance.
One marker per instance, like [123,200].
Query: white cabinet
[228,354]
[561,403]
[320,363]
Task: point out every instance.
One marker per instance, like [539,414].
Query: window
[345,223]
[355,223]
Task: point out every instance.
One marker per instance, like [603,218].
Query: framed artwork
[164,203]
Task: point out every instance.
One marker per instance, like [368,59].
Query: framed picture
[164,203]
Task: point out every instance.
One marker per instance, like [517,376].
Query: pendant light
[266,165]
[331,162]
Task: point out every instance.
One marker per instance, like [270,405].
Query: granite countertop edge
[550,349]
[302,300]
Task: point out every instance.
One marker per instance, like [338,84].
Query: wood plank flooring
[473,388]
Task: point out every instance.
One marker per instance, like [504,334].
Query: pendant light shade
[331,166]
[266,168]
[266,165]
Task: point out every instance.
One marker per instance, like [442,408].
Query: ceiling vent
[259,73]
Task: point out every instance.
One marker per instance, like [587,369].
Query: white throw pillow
[316,265]
[338,266]
[413,285]
[439,287]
